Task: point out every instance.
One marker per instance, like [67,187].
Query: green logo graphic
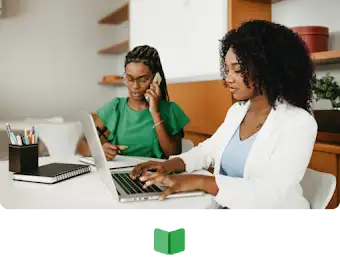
[169,242]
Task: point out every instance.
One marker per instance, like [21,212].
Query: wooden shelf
[326,57]
[119,48]
[115,83]
[117,16]
[265,1]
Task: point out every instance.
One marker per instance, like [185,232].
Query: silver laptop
[119,183]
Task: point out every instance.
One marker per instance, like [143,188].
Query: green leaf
[322,96]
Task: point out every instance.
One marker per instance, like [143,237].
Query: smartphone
[157,79]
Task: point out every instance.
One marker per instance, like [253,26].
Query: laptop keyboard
[133,186]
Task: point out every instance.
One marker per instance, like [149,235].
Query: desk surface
[82,192]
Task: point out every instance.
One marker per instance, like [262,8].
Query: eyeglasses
[129,80]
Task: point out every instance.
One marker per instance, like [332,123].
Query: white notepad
[116,163]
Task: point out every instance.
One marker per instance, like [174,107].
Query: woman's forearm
[208,184]
[176,165]
[83,148]
[168,144]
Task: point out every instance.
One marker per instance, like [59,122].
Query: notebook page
[117,162]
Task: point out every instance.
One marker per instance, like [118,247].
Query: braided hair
[149,57]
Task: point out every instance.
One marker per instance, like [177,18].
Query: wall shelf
[119,48]
[265,1]
[118,82]
[326,57]
[117,16]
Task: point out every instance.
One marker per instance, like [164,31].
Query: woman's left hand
[153,96]
[175,183]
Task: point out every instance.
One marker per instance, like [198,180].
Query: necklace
[258,126]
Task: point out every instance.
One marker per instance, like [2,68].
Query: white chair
[318,188]
[60,138]
[187,145]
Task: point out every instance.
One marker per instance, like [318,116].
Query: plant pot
[328,120]
[336,104]
[316,37]
[321,104]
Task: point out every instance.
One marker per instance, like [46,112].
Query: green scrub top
[135,128]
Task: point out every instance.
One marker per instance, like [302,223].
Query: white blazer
[275,165]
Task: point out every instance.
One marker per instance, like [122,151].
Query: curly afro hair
[275,59]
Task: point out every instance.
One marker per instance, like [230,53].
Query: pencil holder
[23,158]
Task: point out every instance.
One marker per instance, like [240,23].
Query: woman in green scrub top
[145,123]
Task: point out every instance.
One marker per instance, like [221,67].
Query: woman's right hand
[111,150]
[143,168]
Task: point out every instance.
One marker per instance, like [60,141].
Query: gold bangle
[158,123]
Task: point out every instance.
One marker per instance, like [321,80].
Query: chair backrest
[187,145]
[318,188]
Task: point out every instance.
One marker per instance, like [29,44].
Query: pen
[14,138]
[22,140]
[8,133]
[9,127]
[26,140]
[19,140]
[11,135]
[36,137]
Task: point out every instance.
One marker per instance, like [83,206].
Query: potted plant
[328,88]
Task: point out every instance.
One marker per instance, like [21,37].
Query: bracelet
[158,123]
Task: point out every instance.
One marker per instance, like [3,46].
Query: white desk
[82,192]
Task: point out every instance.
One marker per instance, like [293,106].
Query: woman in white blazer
[261,151]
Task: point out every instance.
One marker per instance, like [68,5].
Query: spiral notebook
[52,173]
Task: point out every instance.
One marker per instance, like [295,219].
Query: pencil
[19,140]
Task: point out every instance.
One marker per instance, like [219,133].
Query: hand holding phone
[157,79]
[153,94]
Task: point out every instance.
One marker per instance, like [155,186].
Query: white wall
[312,12]
[185,32]
[48,56]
